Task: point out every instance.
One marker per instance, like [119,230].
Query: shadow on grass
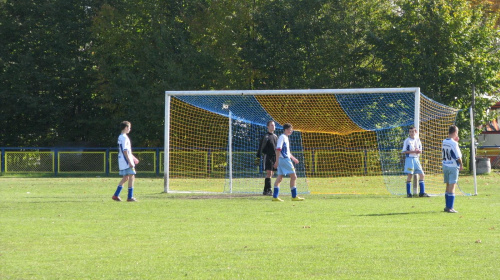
[396,214]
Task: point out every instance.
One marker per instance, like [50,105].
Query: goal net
[347,141]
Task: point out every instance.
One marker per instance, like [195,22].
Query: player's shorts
[412,166]
[285,167]
[450,174]
[269,162]
[128,171]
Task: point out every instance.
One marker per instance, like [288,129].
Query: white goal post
[340,133]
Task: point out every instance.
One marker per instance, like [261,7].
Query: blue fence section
[59,160]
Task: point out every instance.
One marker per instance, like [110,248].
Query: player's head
[412,131]
[453,131]
[124,125]
[287,129]
[271,126]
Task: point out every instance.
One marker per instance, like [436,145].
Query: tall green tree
[142,49]
[444,47]
[46,74]
[314,44]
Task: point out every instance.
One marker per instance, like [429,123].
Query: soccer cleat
[116,198]
[423,195]
[277,199]
[132,199]
[298,198]
[450,210]
[409,195]
[267,192]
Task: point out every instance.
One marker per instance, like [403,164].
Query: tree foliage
[70,70]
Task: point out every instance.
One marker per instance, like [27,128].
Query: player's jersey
[283,146]
[268,145]
[451,153]
[124,147]
[411,144]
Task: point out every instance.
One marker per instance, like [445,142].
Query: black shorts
[269,162]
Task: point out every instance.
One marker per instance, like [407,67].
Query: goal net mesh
[346,143]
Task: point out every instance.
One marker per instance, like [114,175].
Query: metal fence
[103,161]
[75,160]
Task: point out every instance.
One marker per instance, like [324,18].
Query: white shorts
[285,166]
[412,166]
[128,171]
[450,174]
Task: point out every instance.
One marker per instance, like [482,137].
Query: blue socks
[422,186]
[118,190]
[276,192]
[408,187]
[130,193]
[449,199]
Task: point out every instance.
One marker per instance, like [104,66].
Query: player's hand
[275,166]
[136,161]
[296,161]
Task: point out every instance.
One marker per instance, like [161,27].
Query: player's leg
[293,188]
[116,196]
[418,170]
[408,170]
[450,179]
[408,184]
[268,165]
[277,183]
[450,189]
[130,196]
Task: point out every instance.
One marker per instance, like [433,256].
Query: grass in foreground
[53,228]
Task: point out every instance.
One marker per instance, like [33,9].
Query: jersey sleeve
[458,152]
[405,146]
[279,145]
[261,146]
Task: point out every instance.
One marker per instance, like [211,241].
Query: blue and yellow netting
[337,137]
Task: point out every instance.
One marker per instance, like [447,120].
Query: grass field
[69,228]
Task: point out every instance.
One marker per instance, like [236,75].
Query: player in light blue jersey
[412,147]
[126,163]
[284,164]
[452,164]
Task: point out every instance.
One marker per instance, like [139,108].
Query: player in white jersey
[452,164]
[284,164]
[126,163]
[412,147]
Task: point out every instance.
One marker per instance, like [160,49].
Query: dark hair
[287,126]
[268,122]
[124,124]
[452,129]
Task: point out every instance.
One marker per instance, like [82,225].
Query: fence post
[2,160]
[107,161]
[56,161]
[157,159]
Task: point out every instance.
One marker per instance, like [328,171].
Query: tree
[143,48]
[314,44]
[46,75]
[442,46]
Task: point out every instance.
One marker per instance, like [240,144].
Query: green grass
[69,228]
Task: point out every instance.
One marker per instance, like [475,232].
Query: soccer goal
[348,141]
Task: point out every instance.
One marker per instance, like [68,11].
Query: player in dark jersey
[267,149]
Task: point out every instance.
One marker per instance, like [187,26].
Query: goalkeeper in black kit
[267,148]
